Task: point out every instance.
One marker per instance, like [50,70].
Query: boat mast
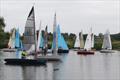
[34,33]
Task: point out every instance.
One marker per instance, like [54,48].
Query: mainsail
[92,40]
[89,43]
[11,43]
[107,41]
[39,38]
[77,42]
[81,40]
[29,33]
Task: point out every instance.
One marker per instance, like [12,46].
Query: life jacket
[24,53]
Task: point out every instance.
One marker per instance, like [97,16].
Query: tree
[2,34]
[2,24]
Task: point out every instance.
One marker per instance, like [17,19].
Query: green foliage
[69,38]
[2,23]
[2,34]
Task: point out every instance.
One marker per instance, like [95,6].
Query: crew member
[24,54]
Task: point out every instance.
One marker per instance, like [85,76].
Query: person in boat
[24,54]
[45,50]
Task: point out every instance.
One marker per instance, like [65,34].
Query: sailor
[45,49]
[24,54]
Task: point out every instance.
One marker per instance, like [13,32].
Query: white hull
[107,51]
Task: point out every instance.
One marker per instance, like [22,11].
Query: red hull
[85,52]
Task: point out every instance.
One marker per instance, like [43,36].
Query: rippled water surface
[72,67]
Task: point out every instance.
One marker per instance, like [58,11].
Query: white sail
[88,42]
[107,41]
[92,40]
[77,42]
[11,43]
[81,41]
[39,38]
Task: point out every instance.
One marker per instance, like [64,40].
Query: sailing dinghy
[44,45]
[62,45]
[79,42]
[107,45]
[88,45]
[59,42]
[29,41]
[14,41]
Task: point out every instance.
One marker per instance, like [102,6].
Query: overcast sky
[72,15]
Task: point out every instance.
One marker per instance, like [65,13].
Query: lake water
[72,67]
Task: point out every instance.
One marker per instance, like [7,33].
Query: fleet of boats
[89,44]
[30,45]
[38,44]
[14,41]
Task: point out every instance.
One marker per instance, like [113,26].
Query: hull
[33,62]
[8,50]
[50,58]
[85,52]
[107,51]
[76,49]
[63,51]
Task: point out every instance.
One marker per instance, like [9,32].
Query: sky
[72,15]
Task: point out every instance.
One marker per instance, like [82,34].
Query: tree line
[69,38]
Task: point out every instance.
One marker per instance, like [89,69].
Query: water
[72,67]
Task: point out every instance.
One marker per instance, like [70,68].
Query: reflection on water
[72,67]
